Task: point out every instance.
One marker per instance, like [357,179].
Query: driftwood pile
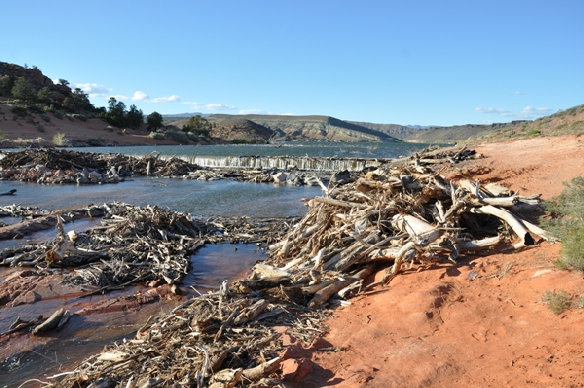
[131,244]
[218,340]
[53,166]
[401,212]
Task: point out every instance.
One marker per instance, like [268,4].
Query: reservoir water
[222,197]
[311,149]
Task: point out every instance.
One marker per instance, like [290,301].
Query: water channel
[37,357]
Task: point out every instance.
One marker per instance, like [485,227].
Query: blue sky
[423,62]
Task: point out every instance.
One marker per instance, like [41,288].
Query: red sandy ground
[480,323]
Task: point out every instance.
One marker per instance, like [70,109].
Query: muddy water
[25,357]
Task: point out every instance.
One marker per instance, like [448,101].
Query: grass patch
[557,301]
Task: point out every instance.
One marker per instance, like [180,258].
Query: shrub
[19,111]
[59,140]
[534,132]
[1,134]
[567,223]
[58,114]
[34,108]
[557,301]
[156,136]
[178,136]
[45,117]
[573,249]
[566,210]
[40,127]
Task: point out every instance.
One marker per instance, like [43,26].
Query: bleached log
[342,261]
[325,293]
[336,202]
[226,378]
[264,271]
[263,369]
[357,281]
[420,230]
[385,254]
[251,312]
[539,231]
[471,245]
[516,225]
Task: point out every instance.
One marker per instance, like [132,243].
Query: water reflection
[26,357]
[224,197]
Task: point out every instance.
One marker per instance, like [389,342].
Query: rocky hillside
[565,122]
[10,73]
[240,130]
[569,121]
[309,127]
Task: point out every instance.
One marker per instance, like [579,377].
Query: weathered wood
[251,312]
[262,370]
[50,323]
[516,225]
[344,204]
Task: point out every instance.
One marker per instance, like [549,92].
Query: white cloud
[517,93]
[500,112]
[139,96]
[93,89]
[173,98]
[120,97]
[250,111]
[528,112]
[219,107]
[209,107]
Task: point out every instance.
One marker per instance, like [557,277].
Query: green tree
[116,113]
[154,121]
[23,90]
[43,95]
[63,82]
[198,125]
[68,104]
[6,84]
[81,101]
[134,118]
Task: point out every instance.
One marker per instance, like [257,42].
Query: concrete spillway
[303,163]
